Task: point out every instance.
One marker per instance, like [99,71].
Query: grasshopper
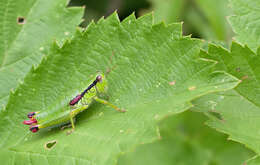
[81,102]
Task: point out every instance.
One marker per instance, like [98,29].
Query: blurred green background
[206,19]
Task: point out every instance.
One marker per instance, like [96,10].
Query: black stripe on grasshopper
[76,99]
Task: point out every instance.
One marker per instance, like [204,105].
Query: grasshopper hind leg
[74,111]
[72,119]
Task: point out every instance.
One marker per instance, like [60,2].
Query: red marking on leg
[34,128]
[75,100]
[29,122]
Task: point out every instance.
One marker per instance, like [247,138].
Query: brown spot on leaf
[244,77]
[172,83]
[192,88]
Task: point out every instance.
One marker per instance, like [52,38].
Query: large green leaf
[153,72]
[23,44]
[236,112]
[186,140]
[246,22]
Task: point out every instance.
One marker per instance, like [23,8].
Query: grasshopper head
[101,84]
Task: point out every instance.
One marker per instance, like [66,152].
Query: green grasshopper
[81,102]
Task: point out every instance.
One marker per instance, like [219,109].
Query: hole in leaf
[21,20]
[49,145]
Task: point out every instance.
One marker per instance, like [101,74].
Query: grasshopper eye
[99,78]
[30,114]
[34,128]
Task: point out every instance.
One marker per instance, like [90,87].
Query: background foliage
[169,83]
